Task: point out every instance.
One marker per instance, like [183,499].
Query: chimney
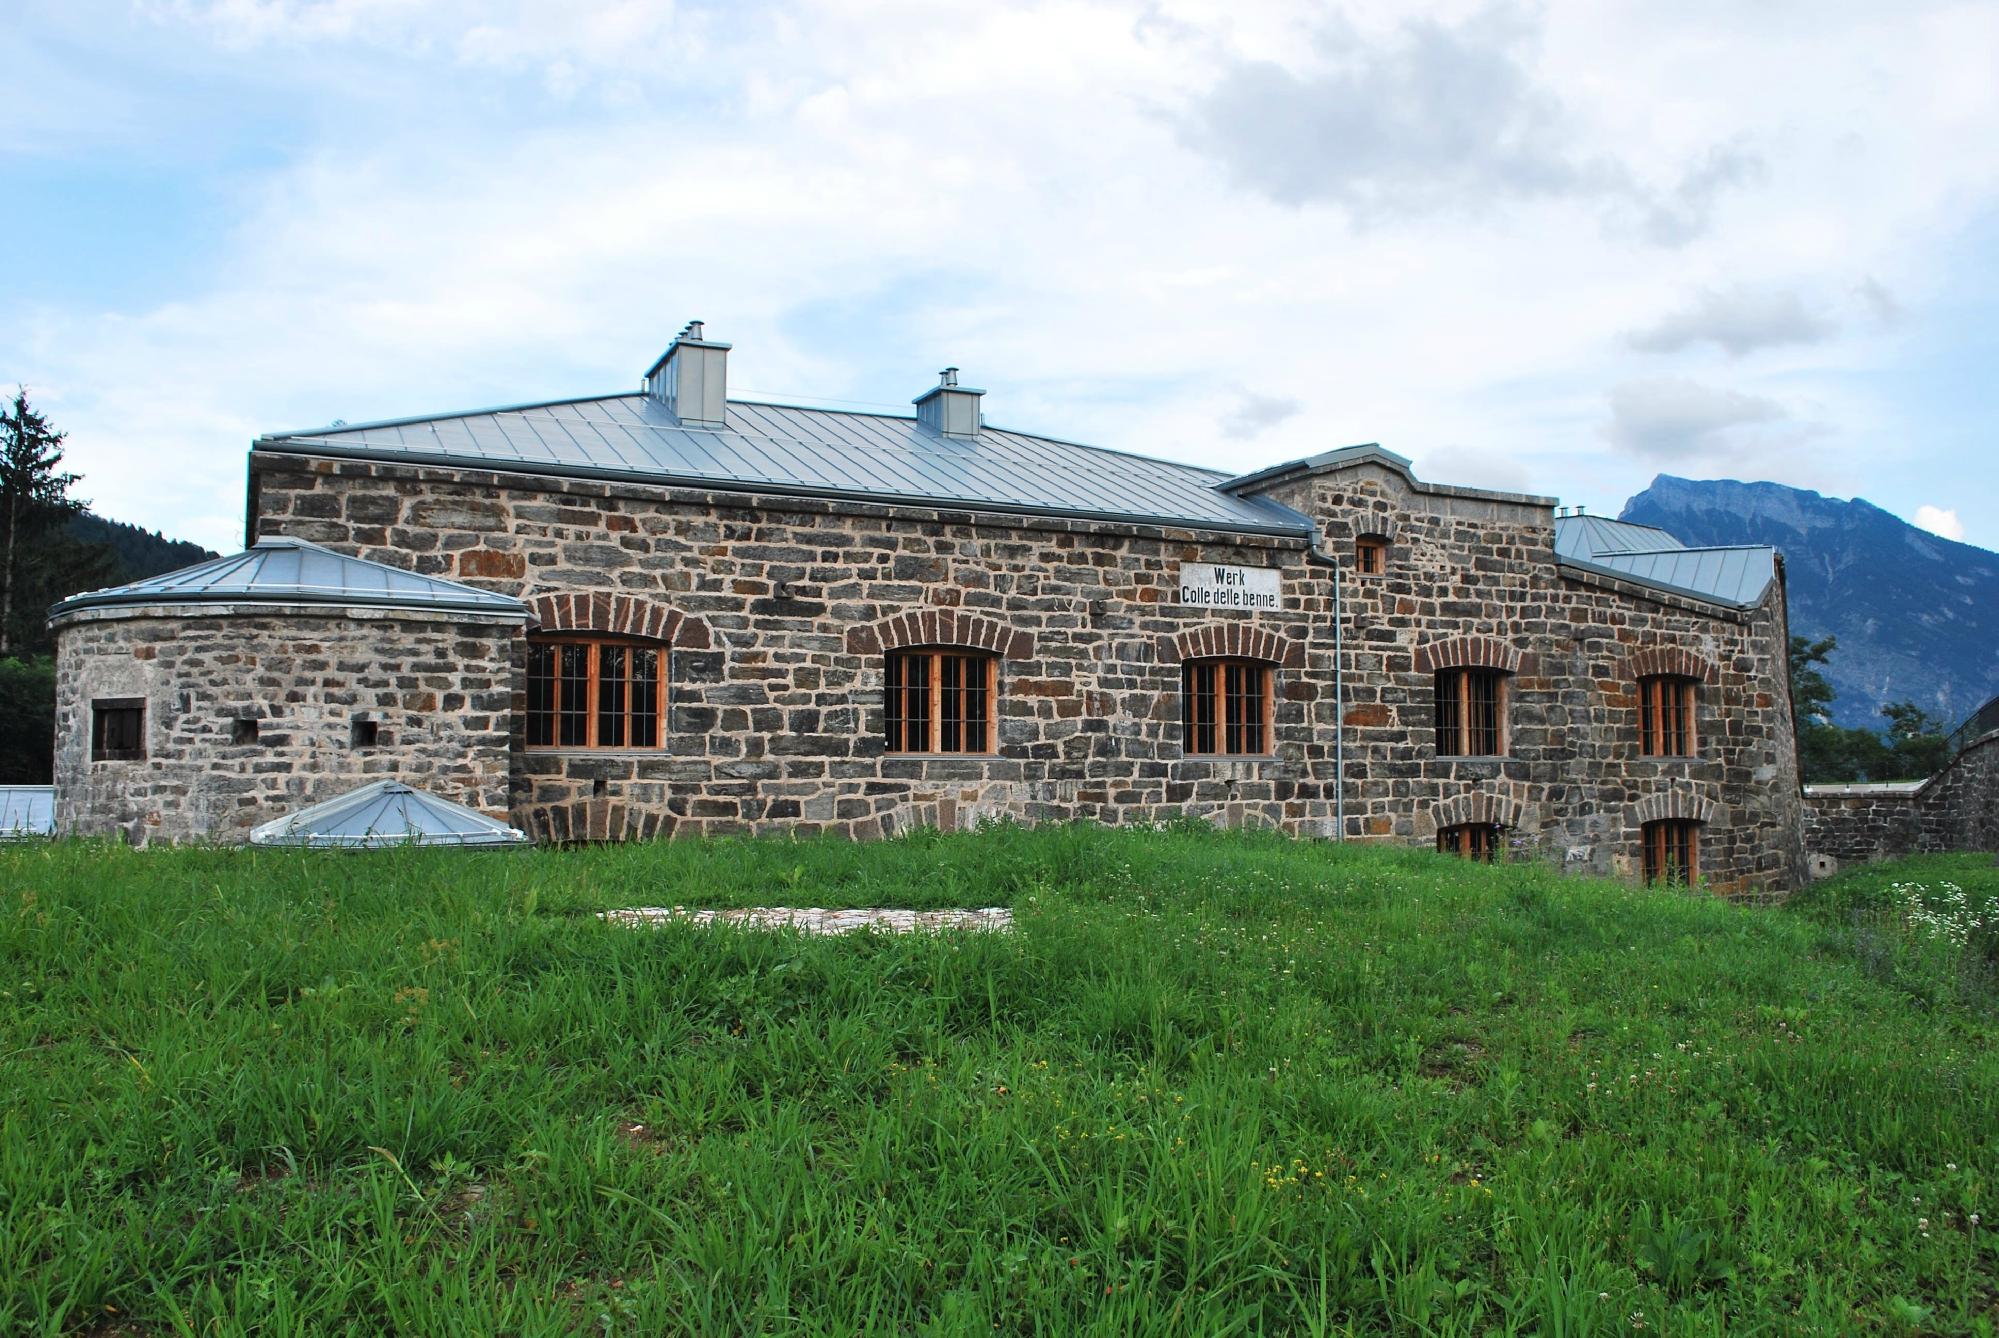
[949,408]
[692,378]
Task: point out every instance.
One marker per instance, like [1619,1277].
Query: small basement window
[364,733]
[242,730]
[118,729]
[1672,851]
[1370,555]
[1471,840]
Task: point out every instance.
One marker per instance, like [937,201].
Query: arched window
[1472,840]
[1666,715]
[1672,851]
[590,691]
[941,699]
[1471,712]
[1370,554]
[1225,707]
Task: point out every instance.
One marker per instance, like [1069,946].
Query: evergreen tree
[1919,741]
[1915,747]
[38,564]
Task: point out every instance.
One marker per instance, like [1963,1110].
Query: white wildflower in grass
[1945,911]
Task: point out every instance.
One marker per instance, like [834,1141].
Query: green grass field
[1213,1084]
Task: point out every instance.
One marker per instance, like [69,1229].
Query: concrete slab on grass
[813,920]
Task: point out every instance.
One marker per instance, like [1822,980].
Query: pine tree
[34,504]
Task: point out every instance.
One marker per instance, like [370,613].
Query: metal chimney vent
[692,379]
[948,408]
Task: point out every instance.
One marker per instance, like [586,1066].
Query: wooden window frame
[895,722]
[1452,688]
[1370,555]
[100,708]
[1213,708]
[1668,708]
[1480,841]
[1672,852]
[595,644]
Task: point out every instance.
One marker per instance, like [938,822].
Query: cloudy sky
[1558,248]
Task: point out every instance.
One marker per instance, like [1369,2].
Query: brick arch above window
[941,627]
[1477,808]
[1232,641]
[1675,660]
[1467,652]
[1682,804]
[619,615]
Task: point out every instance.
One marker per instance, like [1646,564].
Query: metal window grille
[1471,713]
[589,693]
[939,701]
[1672,851]
[1666,715]
[1471,840]
[1225,707]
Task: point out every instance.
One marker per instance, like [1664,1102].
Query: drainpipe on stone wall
[1315,554]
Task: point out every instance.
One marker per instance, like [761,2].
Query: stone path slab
[813,920]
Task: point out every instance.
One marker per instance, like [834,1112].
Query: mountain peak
[1916,615]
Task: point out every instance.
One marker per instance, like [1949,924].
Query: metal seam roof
[27,810]
[386,813]
[792,449]
[293,571]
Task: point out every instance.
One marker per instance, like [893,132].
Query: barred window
[1672,851]
[1370,555]
[1471,840]
[1225,707]
[1471,713]
[1666,715]
[595,692]
[941,701]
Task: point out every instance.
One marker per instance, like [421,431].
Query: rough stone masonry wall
[783,608]
[1957,809]
[1470,580]
[440,692]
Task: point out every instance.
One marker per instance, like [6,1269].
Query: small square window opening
[365,733]
[118,729]
[242,730]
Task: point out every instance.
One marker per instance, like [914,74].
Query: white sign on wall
[1209,585]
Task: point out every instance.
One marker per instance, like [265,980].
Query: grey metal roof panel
[1595,536]
[27,811]
[1737,576]
[292,571]
[386,813]
[814,452]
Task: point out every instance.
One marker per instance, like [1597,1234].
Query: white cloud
[1403,224]
[1672,418]
[1739,320]
[1433,117]
[1940,522]
[1254,414]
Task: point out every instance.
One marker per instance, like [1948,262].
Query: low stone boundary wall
[1956,809]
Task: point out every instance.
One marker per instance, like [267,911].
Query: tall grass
[1213,1083]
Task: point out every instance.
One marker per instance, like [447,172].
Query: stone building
[757,617]
[203,703]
